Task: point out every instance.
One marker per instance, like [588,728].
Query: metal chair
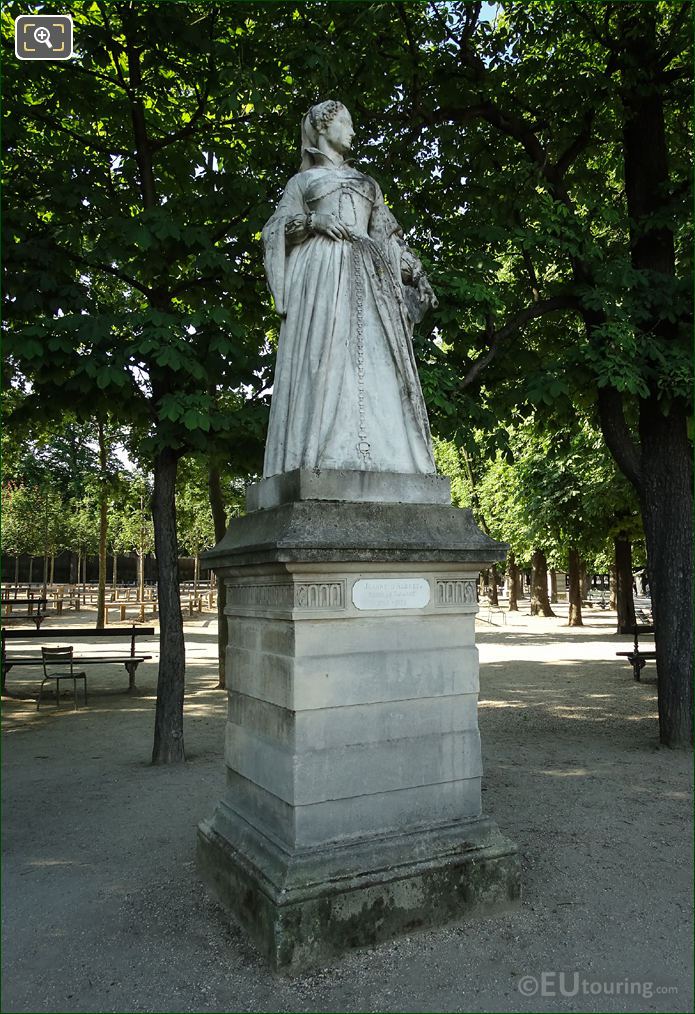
[62,656]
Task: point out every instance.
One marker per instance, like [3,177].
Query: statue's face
[339,132]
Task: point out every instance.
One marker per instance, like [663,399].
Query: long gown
[346,392]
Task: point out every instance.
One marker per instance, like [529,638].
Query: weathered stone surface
[315,531]
[312,825]
[346,393]
[323,728]
[303,909]
[344,772]
[351,486]
[352,807]
[334,680]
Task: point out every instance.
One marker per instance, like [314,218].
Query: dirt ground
[103,909]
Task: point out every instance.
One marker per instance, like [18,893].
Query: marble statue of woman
[346,393]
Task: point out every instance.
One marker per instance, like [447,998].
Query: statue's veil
[310,135]
[309,139]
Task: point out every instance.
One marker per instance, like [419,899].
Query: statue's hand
[329,225]
[426,292]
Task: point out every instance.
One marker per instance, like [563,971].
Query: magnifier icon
[44,36]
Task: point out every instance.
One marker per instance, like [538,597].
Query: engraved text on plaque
[389,593]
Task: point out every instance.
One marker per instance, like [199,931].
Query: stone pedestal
[352,809]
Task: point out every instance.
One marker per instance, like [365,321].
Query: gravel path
[103,910]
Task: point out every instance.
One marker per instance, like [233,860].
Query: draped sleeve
[406,267]
[283,229]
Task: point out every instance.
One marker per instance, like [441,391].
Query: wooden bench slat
[131,661]
[87,659]
[124,632]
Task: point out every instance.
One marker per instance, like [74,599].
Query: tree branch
[189,128]
[670,53]
[112,50]
[192,283]
[604,38]
[117,273]
[143,143]
[617,435]
[229,225]
[74,66]
[496,338]
[106,268]
[88,142]
[414,56]
[577,146]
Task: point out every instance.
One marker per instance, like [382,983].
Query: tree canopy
[538,155]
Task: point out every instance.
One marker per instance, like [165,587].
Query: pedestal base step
[306,909]
[354,486]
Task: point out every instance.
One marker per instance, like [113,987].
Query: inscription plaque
[391,593]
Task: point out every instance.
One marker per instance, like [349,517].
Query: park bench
[122,608]
[37,618]
[131,661]
[636,658]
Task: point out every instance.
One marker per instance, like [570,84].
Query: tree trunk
[220,522]
[45,574]
[494,600]
[553,587]
[540,603]
[665,477]
[52,570]
[16,570]
[77,575]
[196,574]
[114,574]
[584,580]
[667,514]
[31,570]
[623,569]
[613,594]
[513,572]
[575,590]
[168,724]
[103,531]
[84,576]
[141,584]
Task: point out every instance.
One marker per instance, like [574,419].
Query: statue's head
[328,120]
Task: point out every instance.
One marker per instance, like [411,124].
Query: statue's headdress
[316,120]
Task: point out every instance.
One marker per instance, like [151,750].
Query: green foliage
[193,515]
[499,146]
[129,289]
[82,533]
[156,301]
[130,518]
[557,489]
[35,520]
[506,141]
[450,460]
[17,519]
